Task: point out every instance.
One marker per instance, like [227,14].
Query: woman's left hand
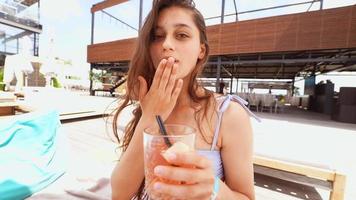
[198,181]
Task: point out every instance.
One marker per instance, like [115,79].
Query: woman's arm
[160,99]
[128,173]
[237,154]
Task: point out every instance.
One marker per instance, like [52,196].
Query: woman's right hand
[162,96]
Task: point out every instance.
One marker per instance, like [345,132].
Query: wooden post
[338,190]
[232,80]
[140,16]
[218,74]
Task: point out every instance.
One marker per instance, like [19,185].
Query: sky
[68,22]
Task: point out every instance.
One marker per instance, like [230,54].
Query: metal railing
[236,13]
[17,9]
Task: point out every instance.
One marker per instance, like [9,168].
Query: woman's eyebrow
[179,25]
[182,25]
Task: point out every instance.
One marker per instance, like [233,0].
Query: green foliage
[56,83]
[2,85]
[97,76]
[94,76]
[1,75]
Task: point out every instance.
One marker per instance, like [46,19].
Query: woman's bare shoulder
[236,119]
[236,111]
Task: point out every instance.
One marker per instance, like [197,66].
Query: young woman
[171,51]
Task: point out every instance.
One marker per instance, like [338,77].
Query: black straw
[163,130]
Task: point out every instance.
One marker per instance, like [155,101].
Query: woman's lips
[175,60]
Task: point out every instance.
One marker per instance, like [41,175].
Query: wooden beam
[106,4]
[111,51]
[314,172]
[338,187]
[314,176]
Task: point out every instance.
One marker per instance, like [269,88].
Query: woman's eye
[182,36]
[157,37]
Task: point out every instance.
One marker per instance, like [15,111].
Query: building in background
[19,34]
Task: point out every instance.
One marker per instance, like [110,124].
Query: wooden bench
[8,108]
[318,177]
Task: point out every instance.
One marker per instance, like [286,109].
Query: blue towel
[30,158]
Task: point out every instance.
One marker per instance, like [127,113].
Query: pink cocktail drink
[179,138]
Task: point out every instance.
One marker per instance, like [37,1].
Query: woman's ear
[202,51]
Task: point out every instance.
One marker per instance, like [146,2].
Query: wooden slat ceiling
[317,30]
[319,34]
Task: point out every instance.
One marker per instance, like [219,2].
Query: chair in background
[243,95]
[253,101]
[267,103]
[279,107]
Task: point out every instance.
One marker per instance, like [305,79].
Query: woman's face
[177,36]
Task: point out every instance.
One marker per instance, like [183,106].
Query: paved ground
[296,135]
[90,139]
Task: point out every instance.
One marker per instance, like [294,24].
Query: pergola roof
[282,65]
[277,65]
[271,85]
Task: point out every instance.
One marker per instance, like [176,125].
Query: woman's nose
[168,43]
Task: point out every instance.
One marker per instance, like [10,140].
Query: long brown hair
[141,64]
